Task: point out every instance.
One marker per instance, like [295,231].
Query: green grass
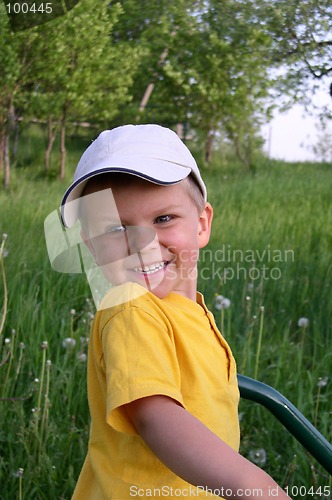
[282,208]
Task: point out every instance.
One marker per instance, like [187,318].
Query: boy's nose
[141,239]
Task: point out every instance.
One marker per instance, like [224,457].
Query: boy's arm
[189,449]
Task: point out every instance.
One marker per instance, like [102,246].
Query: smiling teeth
[150,269]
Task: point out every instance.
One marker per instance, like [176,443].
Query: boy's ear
[205,223]
[87,242]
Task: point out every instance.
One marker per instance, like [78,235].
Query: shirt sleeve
[140,360]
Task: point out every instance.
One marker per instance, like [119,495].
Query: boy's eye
[163,218]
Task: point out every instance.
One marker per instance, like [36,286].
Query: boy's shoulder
[128,299]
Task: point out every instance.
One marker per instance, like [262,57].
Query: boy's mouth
[153,268]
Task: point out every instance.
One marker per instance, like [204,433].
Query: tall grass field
[266,275]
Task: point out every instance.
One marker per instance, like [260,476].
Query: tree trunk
[2,148]
[63,146]
[6,160]
[8,129]
[16,139]
[150,87]
[51,139]
[209,146]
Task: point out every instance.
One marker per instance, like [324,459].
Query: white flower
[69,343]
[82,357]
[72,312]
[303,322]
[222,303]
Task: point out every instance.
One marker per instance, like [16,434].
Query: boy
[162,380]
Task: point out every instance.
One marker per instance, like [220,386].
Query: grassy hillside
[269,254]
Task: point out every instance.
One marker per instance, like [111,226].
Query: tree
[219,78]
[16,53]
[300,34]
[81,75]
[67,70]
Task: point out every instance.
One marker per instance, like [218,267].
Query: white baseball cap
[151,152]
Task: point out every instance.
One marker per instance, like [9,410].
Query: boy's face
[146,233]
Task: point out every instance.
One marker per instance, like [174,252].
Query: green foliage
[80,71]
[213,66]
[281,208]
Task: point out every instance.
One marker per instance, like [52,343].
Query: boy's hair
[102,181]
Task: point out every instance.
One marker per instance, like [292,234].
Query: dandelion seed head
[7,341]
[217,302]
[262,308]
[221,302]
[69,343]
[72,312]
[258,456]
[226,303]
[303,322]
[48,363]
[13,331]
[19,472]
[322,381]
[22,345]
[36,380]
[248,297]
[82,357]
[4,236]
[44,345]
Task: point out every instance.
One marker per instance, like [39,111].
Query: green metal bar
[290,417]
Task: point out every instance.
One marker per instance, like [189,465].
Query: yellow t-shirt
[143,347]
